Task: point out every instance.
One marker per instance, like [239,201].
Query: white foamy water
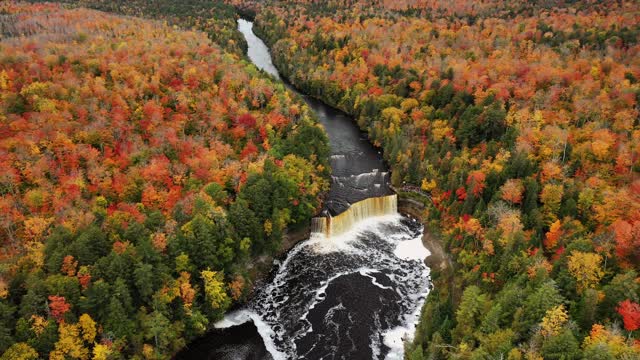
[267,334]
[412,249]
[396,337]
[380,250]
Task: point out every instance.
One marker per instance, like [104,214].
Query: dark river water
[356,295]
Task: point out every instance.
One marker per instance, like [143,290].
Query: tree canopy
[520,118]
[144,168]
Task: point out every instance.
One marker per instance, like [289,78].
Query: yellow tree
[19,351]
[88,327]
[69,343]
[428,185]
[101,352]
[551,198]
[38,324]
[510,224]
[214,289]
[585,267]
[553,321]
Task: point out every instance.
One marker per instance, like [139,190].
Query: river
[353,294]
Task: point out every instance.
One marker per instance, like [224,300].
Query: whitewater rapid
[297,318]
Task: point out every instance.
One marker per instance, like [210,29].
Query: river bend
[355,295]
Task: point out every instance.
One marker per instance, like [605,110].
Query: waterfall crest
[336,225]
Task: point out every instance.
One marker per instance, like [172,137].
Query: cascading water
[354,289]
[362,210]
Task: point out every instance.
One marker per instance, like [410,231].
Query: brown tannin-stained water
[355,288]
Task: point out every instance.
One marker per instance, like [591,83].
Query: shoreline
[264,265]
[438,260]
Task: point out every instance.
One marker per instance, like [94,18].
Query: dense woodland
[215,18]
[144,172]
[521,120]
[146,169]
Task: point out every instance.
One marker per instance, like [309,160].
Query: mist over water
[355,294]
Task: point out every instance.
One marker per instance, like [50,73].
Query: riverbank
[262,267]
[438,260]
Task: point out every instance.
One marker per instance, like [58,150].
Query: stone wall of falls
[336,225]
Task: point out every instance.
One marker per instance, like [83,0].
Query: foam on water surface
[240,317]
[303,309]
[412,249]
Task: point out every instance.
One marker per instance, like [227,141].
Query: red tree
[247,120]
[476,180]
[58,306]
[630,313]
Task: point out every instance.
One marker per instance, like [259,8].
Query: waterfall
[375,206]
[358,295]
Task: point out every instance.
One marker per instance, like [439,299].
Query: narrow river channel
[352,295]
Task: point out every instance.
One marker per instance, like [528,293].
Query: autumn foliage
[630,313]
[136,159]
[58,306]
[520,118]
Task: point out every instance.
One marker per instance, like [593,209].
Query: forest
[146,173]
[215,18]
[148,169]
[521,121]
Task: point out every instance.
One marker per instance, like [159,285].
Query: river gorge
[355,288]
